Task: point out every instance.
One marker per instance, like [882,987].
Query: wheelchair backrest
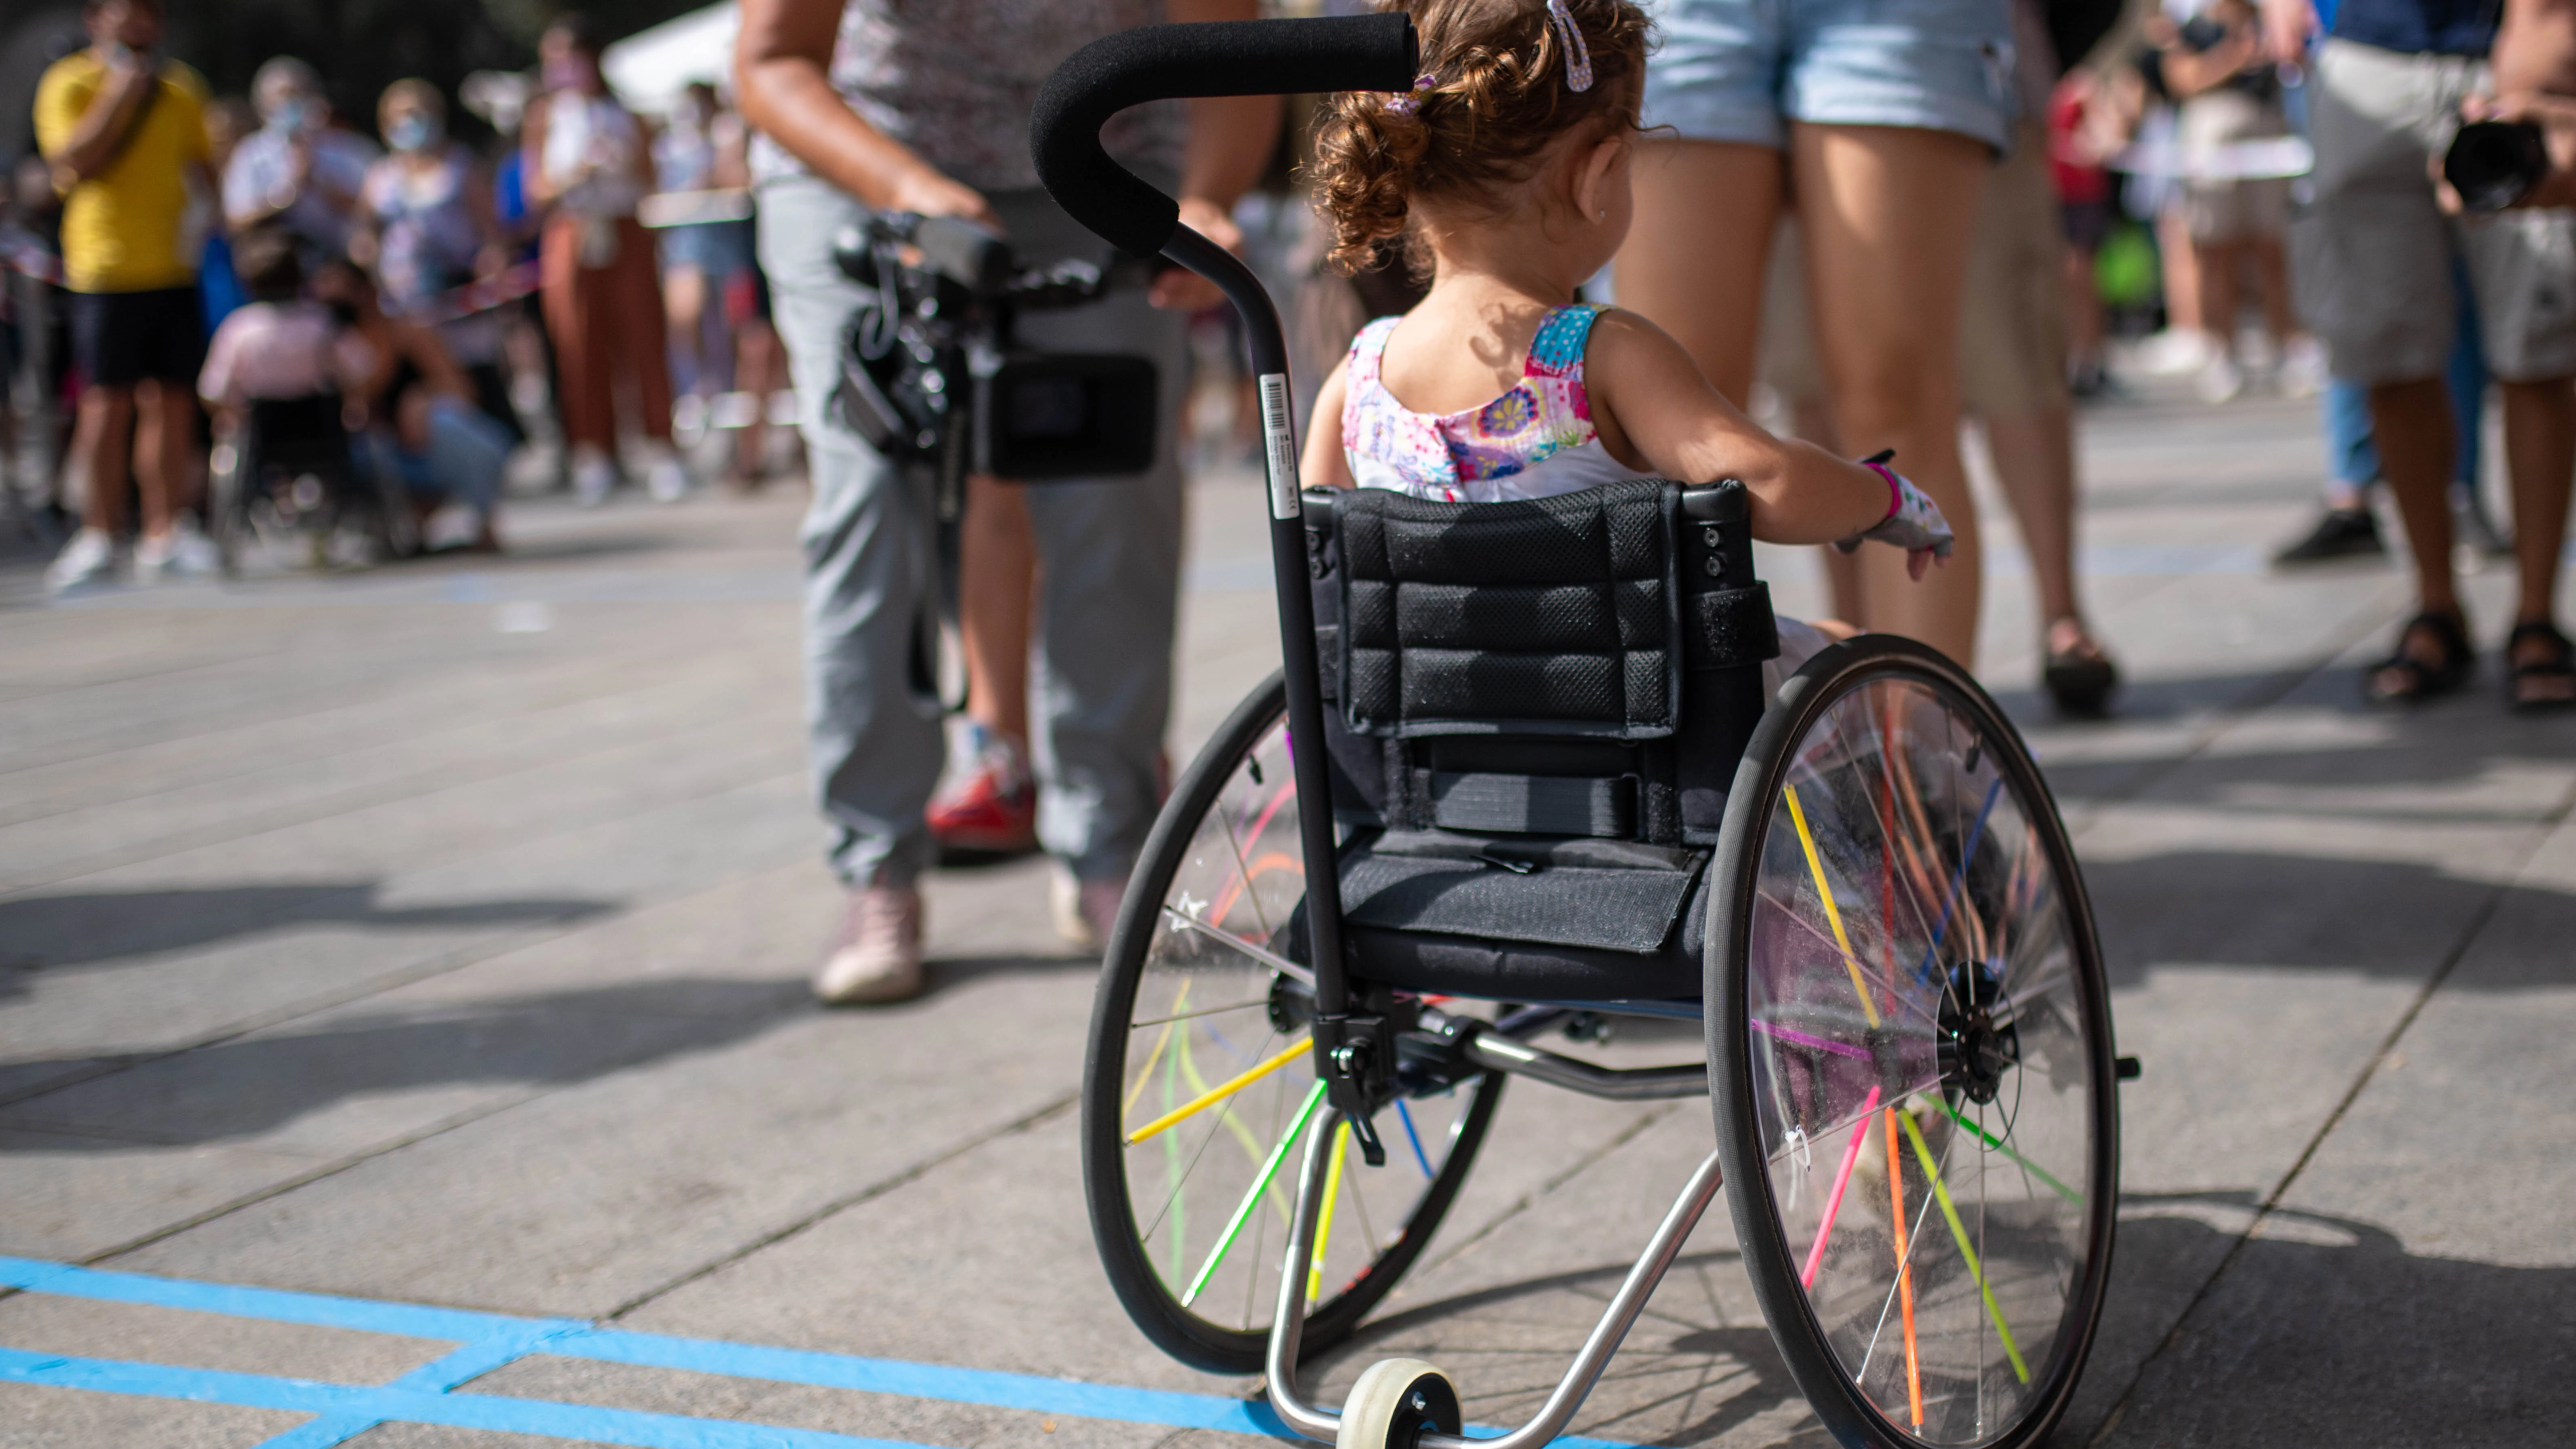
[1586,666]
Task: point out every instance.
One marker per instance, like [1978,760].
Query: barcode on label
[1280,438]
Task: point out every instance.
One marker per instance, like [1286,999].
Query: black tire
[1996,1044]
[1147,953]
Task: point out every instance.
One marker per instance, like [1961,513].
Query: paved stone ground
[437,936]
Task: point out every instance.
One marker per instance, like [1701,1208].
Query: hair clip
[1405,104]
[1578,56]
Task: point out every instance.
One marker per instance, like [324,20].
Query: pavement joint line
[1051,1108]
[2496,895]
[490,1341]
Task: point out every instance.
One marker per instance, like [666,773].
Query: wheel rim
[1924,1075]
[1216,1087]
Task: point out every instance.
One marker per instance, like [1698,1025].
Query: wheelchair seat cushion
[1551,616]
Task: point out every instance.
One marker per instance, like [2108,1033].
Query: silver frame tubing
[1289,1327]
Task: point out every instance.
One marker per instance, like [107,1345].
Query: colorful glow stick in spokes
[2024,1163]
[1221,1091]
[1904,1268]
[1825,893]
[1324,1223]
[1958,879]
[1834,1199]
[1413,1137]
[1146,1074]
[1959,1230]
[1252,1196]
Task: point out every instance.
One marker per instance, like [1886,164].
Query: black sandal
[2560,665]
[2418,680]
[2080,680]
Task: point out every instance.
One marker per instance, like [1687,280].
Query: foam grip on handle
[1166,62]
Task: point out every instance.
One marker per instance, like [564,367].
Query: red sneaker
[991,810]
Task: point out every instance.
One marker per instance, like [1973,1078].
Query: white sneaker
[1085,911]
[592,475]
[665,478]
[877,957]
[2174,352]
[87,558]
[2303,367]
[184,551]
[2220,381]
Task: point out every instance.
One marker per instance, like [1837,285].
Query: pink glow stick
[1842,1179]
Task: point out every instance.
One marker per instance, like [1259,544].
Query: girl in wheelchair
[1504,174]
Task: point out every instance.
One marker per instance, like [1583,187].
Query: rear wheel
[1910,1056]
[1200,1083]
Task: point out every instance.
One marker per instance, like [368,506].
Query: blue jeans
[462,465]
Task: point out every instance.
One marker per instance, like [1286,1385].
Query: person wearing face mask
[426,226]
[298,169]
[588,166]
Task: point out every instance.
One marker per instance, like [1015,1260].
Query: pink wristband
[1895,495]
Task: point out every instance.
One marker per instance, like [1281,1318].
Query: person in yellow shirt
[123,131]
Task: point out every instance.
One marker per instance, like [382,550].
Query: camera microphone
[2493,164]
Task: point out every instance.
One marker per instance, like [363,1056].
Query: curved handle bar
[1165,62]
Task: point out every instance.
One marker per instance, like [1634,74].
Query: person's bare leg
[102,440]
[2222,300]
[2084,324]
[163,437]
[2540,455]
[1695,256]
[2272,271]
[996,589]
[2411,422]
[684,307]
[755,371]
[1886,213]
[2035,462]
[2181,274]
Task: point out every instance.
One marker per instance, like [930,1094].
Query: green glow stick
[2026,1165]
[1252,1198]
[1959,1231]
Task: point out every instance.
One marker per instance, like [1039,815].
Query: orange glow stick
[1904,1273]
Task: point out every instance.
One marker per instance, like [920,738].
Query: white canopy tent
[650,68]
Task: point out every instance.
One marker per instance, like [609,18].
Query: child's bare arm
[1323,464]
[1655,410]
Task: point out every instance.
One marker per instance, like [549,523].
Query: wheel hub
[1979,1042]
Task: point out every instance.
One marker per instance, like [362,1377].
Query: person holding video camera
[2374,259]
[877,106]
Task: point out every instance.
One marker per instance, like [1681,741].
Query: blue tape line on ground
[490,1340]
[274,1304]
[464,1411]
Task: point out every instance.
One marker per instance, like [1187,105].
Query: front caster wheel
[1395,1403]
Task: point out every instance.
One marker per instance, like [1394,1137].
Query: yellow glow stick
[1824,892]
[1221,1091]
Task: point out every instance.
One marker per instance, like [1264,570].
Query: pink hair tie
[1405,105]
[1895,494]
[1578,56]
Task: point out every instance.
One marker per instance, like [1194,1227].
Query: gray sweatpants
[1109,556]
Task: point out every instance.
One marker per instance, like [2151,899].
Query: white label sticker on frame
[1279,436]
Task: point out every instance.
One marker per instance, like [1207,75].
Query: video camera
[932,377]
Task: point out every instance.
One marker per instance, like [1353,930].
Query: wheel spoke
[2024,1163]
[1252,1196]
[1405,1115]
[1324,1222]
[1266,957]
[1825,894]
[1967,1250]
[1834,1199]
[1221,1091]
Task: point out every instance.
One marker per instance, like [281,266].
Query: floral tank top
[1535,441]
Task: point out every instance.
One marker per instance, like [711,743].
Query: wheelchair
[289,471]
[1520,769]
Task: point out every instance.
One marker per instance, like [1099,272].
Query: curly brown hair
[1493,96]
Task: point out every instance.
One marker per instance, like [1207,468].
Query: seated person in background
[281,346]
[414,416]
[1507,169]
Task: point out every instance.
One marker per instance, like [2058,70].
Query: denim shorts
[1736,70]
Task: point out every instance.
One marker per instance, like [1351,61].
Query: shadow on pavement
[2326,1330]
[95,927]
[249,1085]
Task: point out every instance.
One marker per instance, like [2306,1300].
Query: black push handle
[1166,62]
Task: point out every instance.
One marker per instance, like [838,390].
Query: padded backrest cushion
[1549,616]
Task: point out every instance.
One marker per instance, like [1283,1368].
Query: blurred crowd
[235,322]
